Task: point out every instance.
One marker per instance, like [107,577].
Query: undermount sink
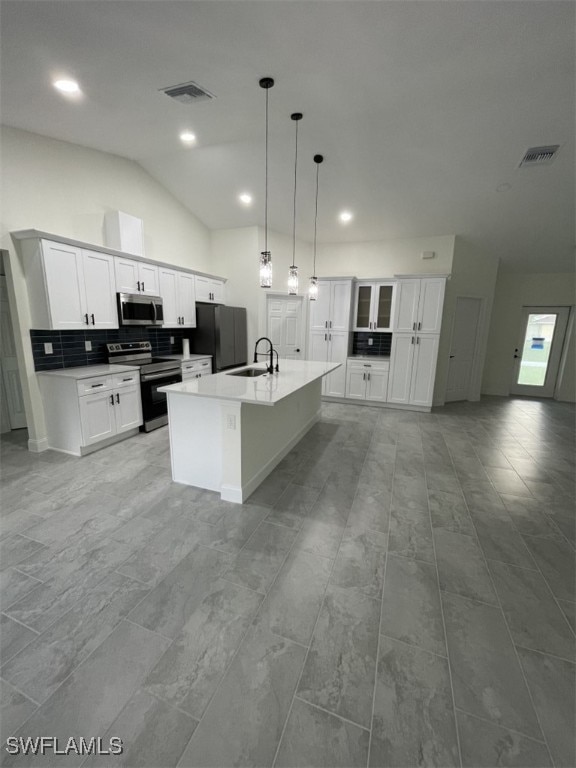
[248,372]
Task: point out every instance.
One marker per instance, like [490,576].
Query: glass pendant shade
[313,289]
[293,281]
[265,270]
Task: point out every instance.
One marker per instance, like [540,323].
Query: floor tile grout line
[448,661]
[375,684]
[413,645]
[545,653]
[332,714]
[273,764]
[22,624]
[499,725]
[26,696]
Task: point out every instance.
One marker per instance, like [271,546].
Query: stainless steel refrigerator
[221,332]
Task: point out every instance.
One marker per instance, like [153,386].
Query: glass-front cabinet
[374,306]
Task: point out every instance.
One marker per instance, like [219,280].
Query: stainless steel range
[154,372]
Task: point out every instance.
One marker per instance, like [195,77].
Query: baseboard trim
[38,446]
[238,495]
[377,404]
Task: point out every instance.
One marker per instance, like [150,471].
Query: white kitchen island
[227,433]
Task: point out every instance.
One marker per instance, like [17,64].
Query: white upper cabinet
[99,288]
[419,304]
[69,288]
[209,289]
[134,276]
[331,310]
[177,291]
[373,306]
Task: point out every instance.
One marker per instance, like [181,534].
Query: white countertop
[183,358]
[267,389]
[87,371]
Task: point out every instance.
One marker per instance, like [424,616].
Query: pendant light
[293,270]
[265,256]
[313,289]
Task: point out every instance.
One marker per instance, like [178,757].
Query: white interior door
[463,348]
[12,390]
[537,356]
[284,326]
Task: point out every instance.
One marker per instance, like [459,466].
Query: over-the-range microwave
[139,309]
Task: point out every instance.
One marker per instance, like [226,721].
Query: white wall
[385,258]
[473,275]
[65,189]
[236,254]
[513,291]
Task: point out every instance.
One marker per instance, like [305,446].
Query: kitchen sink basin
[248,372]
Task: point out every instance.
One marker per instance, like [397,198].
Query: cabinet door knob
[112,399]
[325,337]
[93,322]
[412,342]
[117,397]
[142,286]
[417,339]
[297,350]
[138,284]
[419,326]
[86,316]
[413,326]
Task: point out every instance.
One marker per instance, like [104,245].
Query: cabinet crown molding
[36,234]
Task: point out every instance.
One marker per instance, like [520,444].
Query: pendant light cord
[266,182]
[316,218]
[294,219]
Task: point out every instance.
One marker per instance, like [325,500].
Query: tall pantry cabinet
[329,331]
[417,322]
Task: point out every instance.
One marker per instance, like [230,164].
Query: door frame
[475,372]
[303,316]
[525,390]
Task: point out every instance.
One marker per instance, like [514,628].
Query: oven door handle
[163,375]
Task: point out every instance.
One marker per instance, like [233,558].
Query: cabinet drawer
[365,365]
[197,366]
[130,378]
[94,384]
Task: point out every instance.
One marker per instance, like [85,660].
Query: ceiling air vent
[188,93]
[539,155]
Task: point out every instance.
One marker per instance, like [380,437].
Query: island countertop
[267,389]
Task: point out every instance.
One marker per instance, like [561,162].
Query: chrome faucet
[270,368]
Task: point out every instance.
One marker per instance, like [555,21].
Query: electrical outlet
[370,342]
[88,346]
[231,421]
[171,339]
[48,348]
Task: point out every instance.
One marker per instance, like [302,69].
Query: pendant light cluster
[265,255]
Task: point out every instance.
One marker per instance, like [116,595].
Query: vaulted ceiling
[423,110]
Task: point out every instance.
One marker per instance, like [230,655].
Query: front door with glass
[537,357]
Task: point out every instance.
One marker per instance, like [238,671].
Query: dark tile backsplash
[69,350]
[381,343]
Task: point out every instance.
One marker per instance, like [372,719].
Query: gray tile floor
[399,592]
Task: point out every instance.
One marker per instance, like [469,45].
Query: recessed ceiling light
[245,198]
[188,137]
[345,217]
[70,87]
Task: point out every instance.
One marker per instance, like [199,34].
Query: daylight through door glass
[536,350]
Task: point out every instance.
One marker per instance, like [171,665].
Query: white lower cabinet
[82,412]
[413,369]
[331,347]
[367,380]
[195,369]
